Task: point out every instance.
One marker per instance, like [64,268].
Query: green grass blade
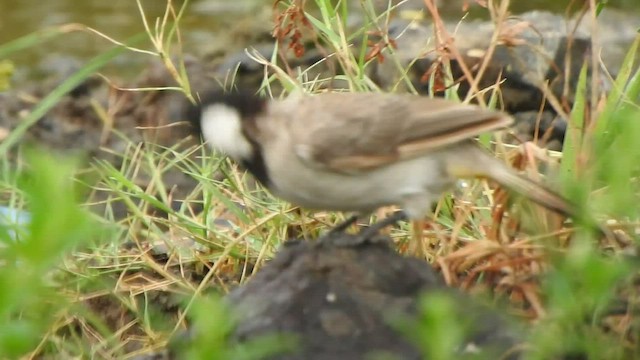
[574,136]
[632,92]
[33,39]
[618,91]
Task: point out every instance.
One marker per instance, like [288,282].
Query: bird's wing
[360,131]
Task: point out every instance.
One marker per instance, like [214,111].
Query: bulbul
[360,151]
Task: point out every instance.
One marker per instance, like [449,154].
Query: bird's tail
[538,193]
[479,163]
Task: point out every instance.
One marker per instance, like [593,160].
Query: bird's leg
[417,246]
[336,236]
[375,228]
[341,227]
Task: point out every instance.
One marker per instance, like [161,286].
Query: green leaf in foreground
[440,330]
[615,145]
[28,302]
[581,286]
[210,336]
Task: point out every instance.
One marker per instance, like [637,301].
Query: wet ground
[119,19]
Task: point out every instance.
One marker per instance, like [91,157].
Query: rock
[340,301]
[550,128]
[538,49]
[616,31]
[534,56]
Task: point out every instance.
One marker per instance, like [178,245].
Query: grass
[111,266]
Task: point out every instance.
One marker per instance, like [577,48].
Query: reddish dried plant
[438,70]
[466,5]
[288,25]
[376,47]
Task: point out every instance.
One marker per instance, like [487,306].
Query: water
[205,24]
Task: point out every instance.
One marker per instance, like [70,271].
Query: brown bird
[361,151]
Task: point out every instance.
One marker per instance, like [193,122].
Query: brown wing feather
[375,129]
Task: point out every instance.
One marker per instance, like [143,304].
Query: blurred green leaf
[439,331]
[28,304]
[210,336]
[600,6]
[582,283]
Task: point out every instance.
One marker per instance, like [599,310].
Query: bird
[359,151]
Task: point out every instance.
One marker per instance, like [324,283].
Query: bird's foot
[338,237]
[374,229]
[343,226]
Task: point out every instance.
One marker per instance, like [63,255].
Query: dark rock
[546,128]
[538,50]
[341,302]
[535,46]
[249,74]
[533,56]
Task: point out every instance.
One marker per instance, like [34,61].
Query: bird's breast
[315,188]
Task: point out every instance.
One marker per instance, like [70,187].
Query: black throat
[250,106]
[257,168]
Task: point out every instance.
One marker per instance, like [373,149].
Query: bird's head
[223,120]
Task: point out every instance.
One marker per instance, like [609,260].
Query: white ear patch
[222,130]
